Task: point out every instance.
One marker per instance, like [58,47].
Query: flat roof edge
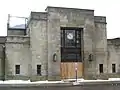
[68,8]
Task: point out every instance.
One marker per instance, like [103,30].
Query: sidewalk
[67,82]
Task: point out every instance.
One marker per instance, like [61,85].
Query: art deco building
[57,44]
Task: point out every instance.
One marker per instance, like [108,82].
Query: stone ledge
[16,77]
[54,78]
[38,78]
[102,76]
[18,39]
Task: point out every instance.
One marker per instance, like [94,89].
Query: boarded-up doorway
[68,70]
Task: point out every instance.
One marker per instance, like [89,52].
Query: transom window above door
[70,37]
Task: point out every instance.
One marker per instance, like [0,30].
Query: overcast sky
[108,8]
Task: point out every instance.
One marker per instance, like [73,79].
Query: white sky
[108,8]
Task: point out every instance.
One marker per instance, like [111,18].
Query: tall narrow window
[113,68]
[38,69]
[17,69]
[101,68]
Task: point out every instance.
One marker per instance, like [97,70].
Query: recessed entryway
[71,52]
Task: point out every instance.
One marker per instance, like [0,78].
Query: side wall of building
[114,57]
[17,53]
[1,61]
[2,57]
[100,39]
[38,44]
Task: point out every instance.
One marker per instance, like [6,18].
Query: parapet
[38,15]
[100,19]
[114,41]
[66,9]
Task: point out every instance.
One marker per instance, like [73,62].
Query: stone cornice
[18,39]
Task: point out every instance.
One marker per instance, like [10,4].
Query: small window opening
[38,69]
[17,69]
[101,68]
[113,68]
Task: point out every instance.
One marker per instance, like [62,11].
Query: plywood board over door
[68,70]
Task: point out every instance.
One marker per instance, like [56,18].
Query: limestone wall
[101,43]
[17,53]
[68,17]
[2,56]
[114,54]
[1,60]
[44,32]
[100,51]
[112,57]
[38,44]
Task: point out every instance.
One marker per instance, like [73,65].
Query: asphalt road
[84,87]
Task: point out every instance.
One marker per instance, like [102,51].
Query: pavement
[62,84]
[85,87]
[81,85]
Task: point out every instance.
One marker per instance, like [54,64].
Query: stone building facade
[37,52]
